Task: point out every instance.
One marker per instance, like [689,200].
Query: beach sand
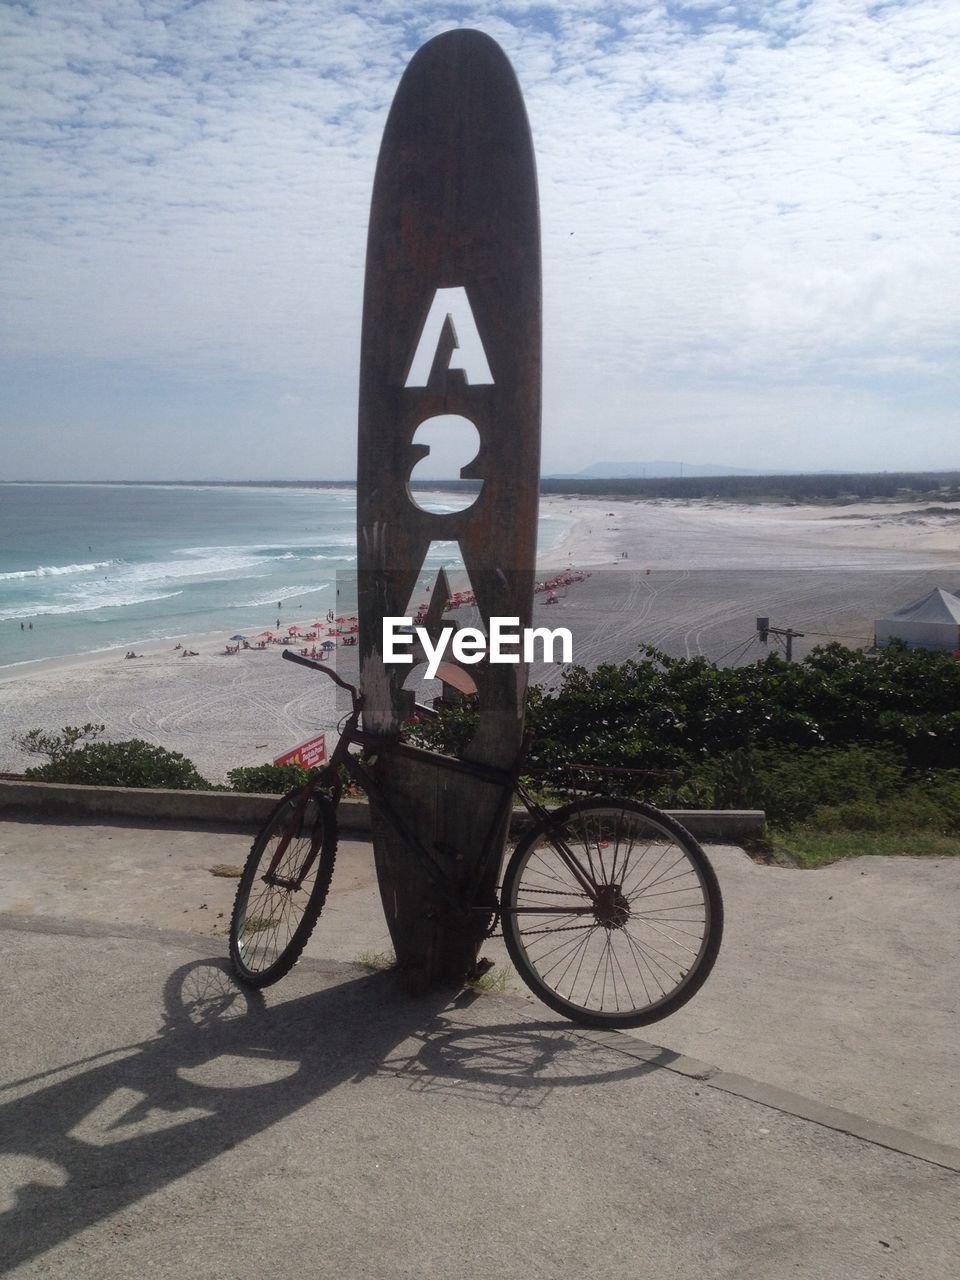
[687,577]
[703,534]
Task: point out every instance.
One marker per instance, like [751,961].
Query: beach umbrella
[294,627]
[267,633]
[329,644]
[238,638]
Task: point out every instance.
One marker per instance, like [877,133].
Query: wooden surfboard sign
[451,335]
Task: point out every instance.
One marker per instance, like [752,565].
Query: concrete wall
[228,808]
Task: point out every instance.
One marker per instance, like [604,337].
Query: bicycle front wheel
[283,887]
[611,913]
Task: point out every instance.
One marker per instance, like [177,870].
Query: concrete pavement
[156,1121]
[840,984]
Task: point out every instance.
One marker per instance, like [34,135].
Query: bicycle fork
[293,883]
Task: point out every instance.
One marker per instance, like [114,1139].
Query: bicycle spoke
[648,953]
[640,974]
[573,950]
[644,940]
[550,872]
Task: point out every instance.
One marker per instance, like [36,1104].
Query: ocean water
[85,567]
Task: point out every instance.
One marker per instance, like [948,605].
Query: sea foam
[54,570]
[86,605]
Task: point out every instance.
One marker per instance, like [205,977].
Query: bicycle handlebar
[391,742]
[314,665]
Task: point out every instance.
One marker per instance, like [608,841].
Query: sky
[749,223]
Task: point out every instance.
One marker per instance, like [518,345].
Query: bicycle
[610,910]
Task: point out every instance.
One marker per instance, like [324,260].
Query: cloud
[757,196]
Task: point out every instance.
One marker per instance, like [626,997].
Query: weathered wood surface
[454,207]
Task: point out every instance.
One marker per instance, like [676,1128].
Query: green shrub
[845,738]
[792,785]
[36,742]
[122,764]
[657,712]
[450,732]
[930,804]
[269,779]
[943,791]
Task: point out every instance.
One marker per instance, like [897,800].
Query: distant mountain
[657,470]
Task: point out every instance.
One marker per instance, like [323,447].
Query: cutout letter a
[450,306]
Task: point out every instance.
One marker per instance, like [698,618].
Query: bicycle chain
[566,928]
[495,924]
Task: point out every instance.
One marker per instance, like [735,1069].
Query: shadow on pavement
[227,1066]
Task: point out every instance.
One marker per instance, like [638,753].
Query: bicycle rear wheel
[611,913]
[276,907]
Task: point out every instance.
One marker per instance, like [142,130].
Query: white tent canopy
[930,623]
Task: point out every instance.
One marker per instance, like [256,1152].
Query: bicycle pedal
[482,966]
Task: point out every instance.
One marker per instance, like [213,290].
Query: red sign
[311,753]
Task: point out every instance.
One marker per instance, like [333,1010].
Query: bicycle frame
[610,910]
[434,865]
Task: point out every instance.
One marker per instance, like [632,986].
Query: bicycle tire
[271,924]
[635,951]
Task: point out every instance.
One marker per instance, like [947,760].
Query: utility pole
[764,630]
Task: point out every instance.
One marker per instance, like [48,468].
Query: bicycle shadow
[227,1066]
[518,1064]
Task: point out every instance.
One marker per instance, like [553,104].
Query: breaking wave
[86,605]
[54,570]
